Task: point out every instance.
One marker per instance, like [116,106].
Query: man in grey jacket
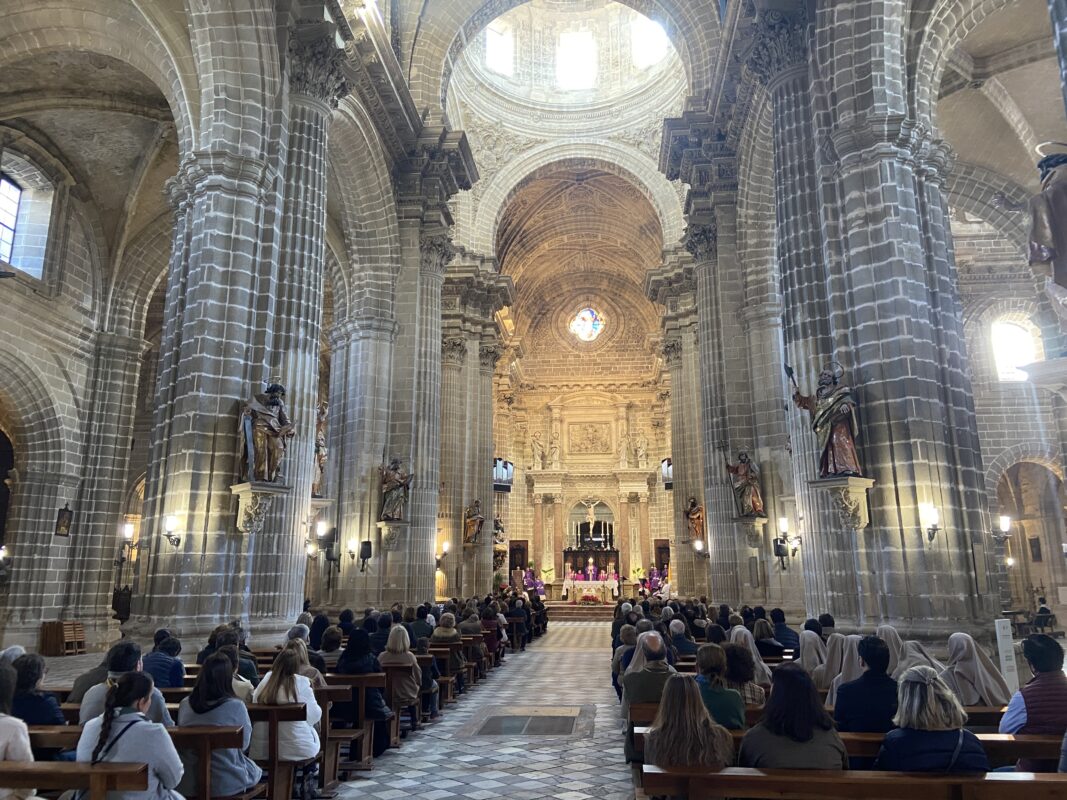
[122,658]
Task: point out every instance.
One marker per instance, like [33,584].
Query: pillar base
[752,527]
[849,496]
[254,499]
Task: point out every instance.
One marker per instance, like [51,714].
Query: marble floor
[564,673]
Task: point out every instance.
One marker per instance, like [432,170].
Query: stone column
[644,528]
[488,354]
[537,545]
[1058,11]
[207,368]
[455,437]
[622,537]
[316,83]
[559,535]
[779,58]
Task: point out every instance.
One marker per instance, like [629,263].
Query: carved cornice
[220,171]
[316,67]
[779,45]
[435,251]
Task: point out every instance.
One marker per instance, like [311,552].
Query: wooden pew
[200,739]
[1002,749]
[790,784]
[472,651]
[359,684]
[425,660]
[447,681]
[280,773]
[331,738]
[97,779]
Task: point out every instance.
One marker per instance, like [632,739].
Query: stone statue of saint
[834,420]
[498,531]
[472,522]
[538,448]
[265,432]
[694,515]
[641,450]
[553,451]
[748,494]
[624,451]
[1048,225]
[321,449]
[396,485]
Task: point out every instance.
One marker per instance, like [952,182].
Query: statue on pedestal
[694,515]
[498,531]
[748,494]
[321,449]
[265,432]
[396,485]
[472,522]
[553,451]
[641,450]
[834,420]
[624,451]
[538,448]
[1048,225]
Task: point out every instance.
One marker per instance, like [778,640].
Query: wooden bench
[1002,749]
[330,738]
[425,663]
[199,739]
[447,681]
[795,784]
[392,675]
[98,779]
[359,684]
[279,773]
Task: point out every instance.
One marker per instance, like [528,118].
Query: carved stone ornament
[672,351]
[454,351]
[436,250]
[752,527]
[488,355]
[315,69]
[393,534]
[849,497]
[701,241]
[780,44]
[254,500]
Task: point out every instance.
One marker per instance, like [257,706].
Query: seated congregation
[709,704]
[238,722]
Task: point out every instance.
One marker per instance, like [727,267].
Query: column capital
[538,499]
[779,46]
[453,352]
[488,354]
[701,240]
[316,64]
[672,352]
[435,250]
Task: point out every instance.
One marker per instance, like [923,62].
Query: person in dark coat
[380,638]
[318,627]
[930,736]
[347,621]
[164,665]
[357,659]
[682,645]
[869,703]
[782,632]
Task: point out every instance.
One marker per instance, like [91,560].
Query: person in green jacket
[725,705]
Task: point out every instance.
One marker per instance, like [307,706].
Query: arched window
[576,60]
[10,195]
[25,213]
[1013,347]
[500,48]
[649,44]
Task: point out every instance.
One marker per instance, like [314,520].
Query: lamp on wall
[1005,529]
[929,519]
[170,525]
[698,545]
[1009,561]
[445,547]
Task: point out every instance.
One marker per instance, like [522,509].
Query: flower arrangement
[589,599]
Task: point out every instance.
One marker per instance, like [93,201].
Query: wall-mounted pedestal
[254,499]
[1050,374]
[752,528]
[849,496]
[394,534]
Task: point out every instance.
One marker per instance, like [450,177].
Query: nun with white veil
[835,652]
[812,651]
[915,654]
[741,635]
[851,667]
[889,635]
[972,675]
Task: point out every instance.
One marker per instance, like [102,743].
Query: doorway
[662,548]
[518,555]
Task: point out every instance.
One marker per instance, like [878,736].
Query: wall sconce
[445,547]
[928,519]
[352,549]
[127,531]
[698,545]
[170,525]
[1009,561]
[1005,529]
[321,528]
[312,550]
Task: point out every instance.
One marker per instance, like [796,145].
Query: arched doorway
[1035,560]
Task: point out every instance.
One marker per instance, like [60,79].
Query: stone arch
[147,258]
[361,188]
[1044,455]
[971,188]
[692,25]
[158,48]
[756,213]
[938,33]
[625,162]
[32,413]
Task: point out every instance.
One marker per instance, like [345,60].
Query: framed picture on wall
[1035,549]
[64,518]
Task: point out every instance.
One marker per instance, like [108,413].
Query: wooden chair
[279,773]
[98,779]
[447,681]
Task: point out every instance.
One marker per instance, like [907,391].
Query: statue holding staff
[834,420]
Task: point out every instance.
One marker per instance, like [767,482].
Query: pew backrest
[97,779]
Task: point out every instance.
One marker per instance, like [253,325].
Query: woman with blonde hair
[406,678]
[284,684]
[683,734]
[972,675]
[766,644]
[308,671]
[930,736]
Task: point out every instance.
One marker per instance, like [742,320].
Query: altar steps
[560,610]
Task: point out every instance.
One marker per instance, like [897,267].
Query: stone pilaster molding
[488,355]
[780,45]
[315,68]
[454,352]
[702,241]
[436,251]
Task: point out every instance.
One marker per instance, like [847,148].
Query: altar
[579,557]
[605,591]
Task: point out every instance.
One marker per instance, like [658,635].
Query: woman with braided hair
[124,734]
